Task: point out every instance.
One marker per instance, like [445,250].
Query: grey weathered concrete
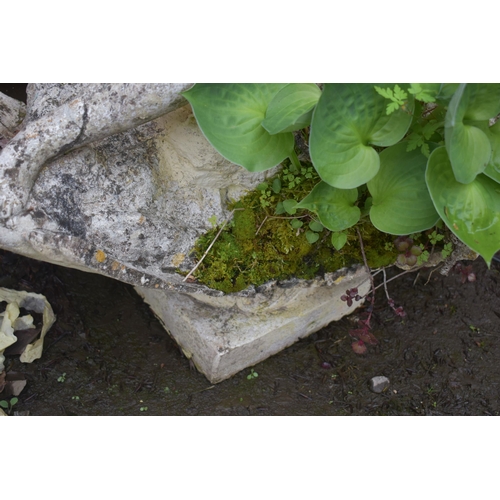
[223,335]
[64,117]
[129,206]
[12,113]
[119,180]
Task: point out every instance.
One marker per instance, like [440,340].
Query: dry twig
[211,245]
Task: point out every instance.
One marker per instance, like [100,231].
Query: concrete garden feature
[119,180]
[223,334]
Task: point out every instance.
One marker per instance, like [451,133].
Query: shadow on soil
[108,355]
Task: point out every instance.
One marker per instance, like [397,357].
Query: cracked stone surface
[130,205]
[119,180]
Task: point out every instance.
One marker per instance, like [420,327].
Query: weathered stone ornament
[119,180]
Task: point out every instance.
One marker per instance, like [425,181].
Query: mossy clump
[262,242]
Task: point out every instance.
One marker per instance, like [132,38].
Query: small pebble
[379,384]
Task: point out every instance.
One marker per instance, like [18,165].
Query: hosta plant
[406,155]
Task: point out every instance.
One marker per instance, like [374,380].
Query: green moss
[243,223]
[259,245]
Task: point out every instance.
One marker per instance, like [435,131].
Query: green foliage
[397,97]
[420,134]
[468,147]
[262,243]
[404,154]
[493,168]
[334,207]
[339,239]
[399,188]
[424,92]
[8,405]
[312,237]
[435,237]
[471,211]
[290,206]
[266,197]
[253,374]
[349,120]
[213,220]
[231,116]
[423,257]
[291,108]
[447,250]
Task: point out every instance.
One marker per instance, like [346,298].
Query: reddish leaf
[368,338]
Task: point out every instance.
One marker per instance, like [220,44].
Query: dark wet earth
[107,354]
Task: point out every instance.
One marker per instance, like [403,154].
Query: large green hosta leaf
[471,211]
[493,168]
[291,108]
[230,116]
[334,207]
[401,200]
[468,147]
[446,92]
[347,121]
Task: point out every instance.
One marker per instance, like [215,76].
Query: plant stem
[268,217]
[295,160]
[385,285]
[368,270]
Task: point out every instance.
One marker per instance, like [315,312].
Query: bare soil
[107,354]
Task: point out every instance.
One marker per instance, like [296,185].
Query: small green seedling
[339,239]
[447,250]
[252,374]
[143,408]
[7,405]
[62,378]
[213,221]
[312,235]
[423,258]
[388,246]
[434,237]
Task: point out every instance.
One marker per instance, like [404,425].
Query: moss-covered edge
[260,244]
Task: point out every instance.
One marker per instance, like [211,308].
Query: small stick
[211,244]
[394,277]
[385,285]
[416,278]
[277,217]
[262,223]
[397,276]
[366,264]
[429,278]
